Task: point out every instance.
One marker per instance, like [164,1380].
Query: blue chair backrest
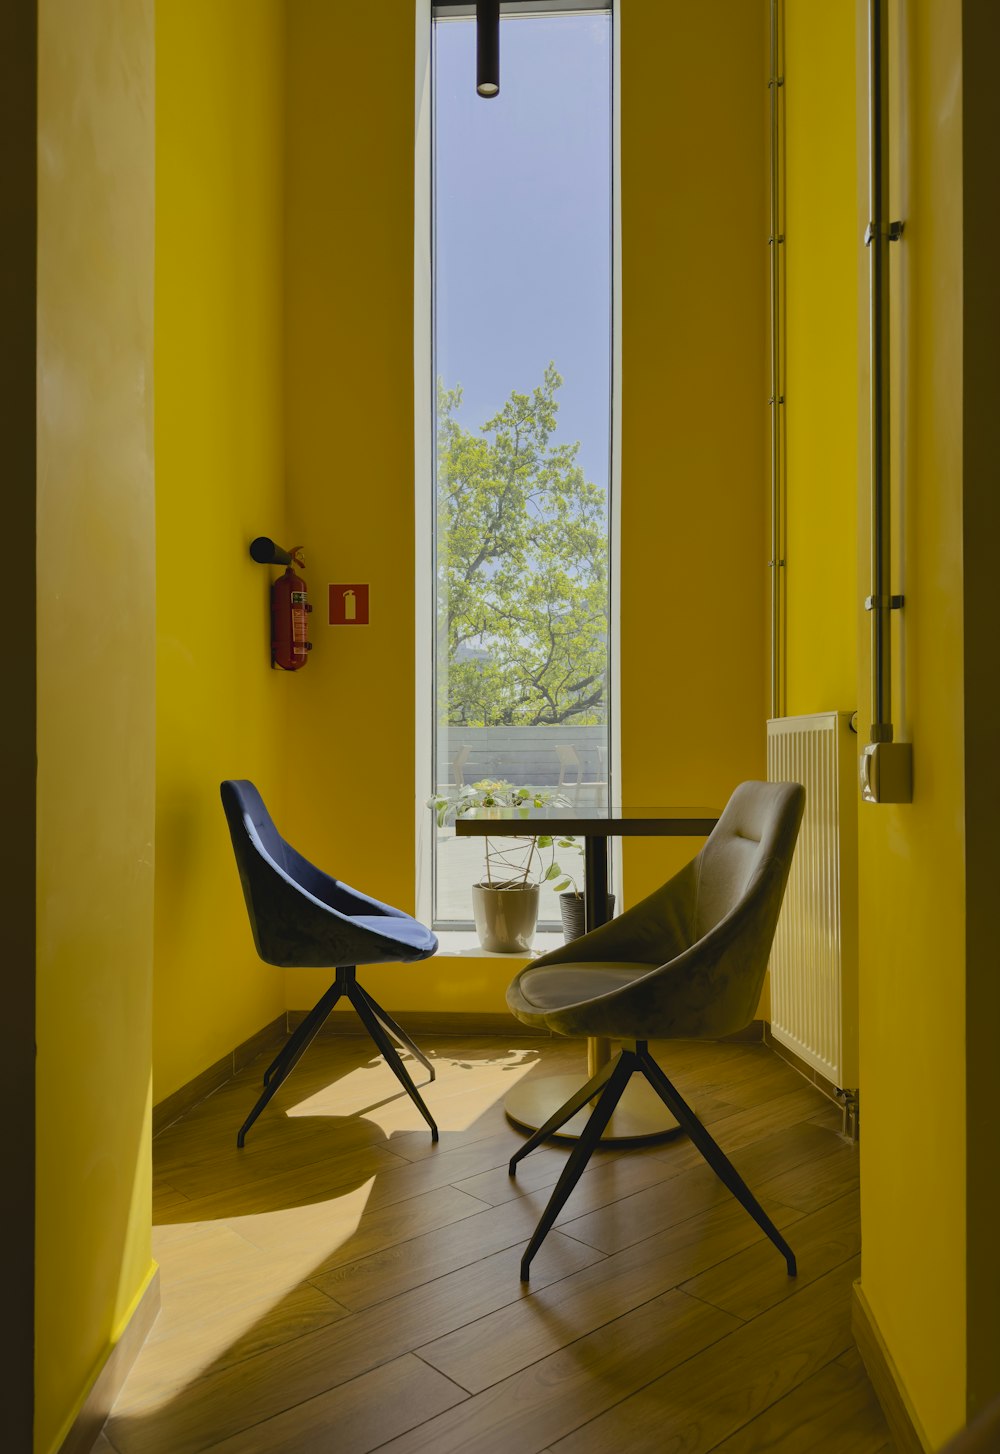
[242,801]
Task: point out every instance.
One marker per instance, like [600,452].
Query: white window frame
[423,428]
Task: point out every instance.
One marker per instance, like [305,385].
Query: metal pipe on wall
[776,400]
[886,766]
[877,241]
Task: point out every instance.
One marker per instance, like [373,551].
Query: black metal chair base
[609,1083]
[379,1024]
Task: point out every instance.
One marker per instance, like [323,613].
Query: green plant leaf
[522,568]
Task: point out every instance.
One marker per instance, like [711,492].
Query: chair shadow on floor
[340,1119]
[255,1245]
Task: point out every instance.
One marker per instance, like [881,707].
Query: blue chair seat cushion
[408,935]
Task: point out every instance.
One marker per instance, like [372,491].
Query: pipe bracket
[893,232]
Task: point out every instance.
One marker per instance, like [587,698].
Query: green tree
[522,568]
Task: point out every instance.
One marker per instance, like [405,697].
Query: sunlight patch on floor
[455,1099]
[235,1285]
[221,1282]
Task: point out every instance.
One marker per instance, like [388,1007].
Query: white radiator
[814,962]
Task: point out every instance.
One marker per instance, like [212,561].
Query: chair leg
[713,1154]
[569,1108]
[282,1067]
[305,1031]
[381,1038]
[388,1023]
[590,1137]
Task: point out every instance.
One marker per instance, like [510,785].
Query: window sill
[464,944]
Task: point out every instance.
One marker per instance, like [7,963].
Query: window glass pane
[522,340]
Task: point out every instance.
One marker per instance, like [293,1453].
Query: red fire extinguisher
[290,645]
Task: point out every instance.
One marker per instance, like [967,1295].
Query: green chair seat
[569,987]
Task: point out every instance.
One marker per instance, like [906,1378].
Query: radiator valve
[851,1111]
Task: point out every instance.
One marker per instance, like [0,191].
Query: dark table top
[591,822]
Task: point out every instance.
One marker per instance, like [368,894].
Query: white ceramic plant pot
[505,918]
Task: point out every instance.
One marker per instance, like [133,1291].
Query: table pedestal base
[640,1115]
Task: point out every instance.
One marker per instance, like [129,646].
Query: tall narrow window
[522,327]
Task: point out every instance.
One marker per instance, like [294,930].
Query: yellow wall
[694,577]
[911,857]
[95,689]
[349,393]
[221,710]
[349,399]
[931,1271]
[912,966]
[349,413]
[820,371]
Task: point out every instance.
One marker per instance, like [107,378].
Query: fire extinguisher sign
[349,605]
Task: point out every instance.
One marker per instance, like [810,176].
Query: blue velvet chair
[302,918]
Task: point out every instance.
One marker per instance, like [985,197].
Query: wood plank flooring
[343,1283]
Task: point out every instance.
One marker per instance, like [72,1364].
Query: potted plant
[571,901]
[505,901]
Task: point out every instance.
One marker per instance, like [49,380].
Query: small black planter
[571,908]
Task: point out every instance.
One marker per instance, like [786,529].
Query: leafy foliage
[512,862]
[522,569]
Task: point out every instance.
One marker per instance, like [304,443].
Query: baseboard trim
[107,1385]
[172,1107]
[900,1415]
[430,1024]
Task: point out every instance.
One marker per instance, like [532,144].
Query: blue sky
[523,221]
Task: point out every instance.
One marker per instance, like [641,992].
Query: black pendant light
[488,48]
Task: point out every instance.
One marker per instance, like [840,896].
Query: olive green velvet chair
[687,962]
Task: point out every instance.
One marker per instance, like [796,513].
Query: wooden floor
[343,1284]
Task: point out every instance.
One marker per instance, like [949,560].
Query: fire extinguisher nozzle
[264,551]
